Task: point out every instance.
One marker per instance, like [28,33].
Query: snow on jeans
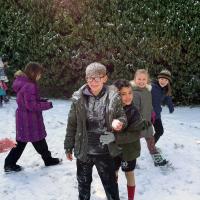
[105,168]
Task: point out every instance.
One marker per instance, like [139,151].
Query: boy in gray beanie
[96,108]
[95,69]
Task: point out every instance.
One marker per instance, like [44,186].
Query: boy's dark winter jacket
[159,98]
[135,124]
[129,138]
[76,132]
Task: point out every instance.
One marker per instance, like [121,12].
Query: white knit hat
[95,69]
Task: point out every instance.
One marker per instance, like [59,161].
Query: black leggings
[41,147]
[158,127]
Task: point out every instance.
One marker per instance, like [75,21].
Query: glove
[107,138]
[153,117]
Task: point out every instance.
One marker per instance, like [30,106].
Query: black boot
[12,168]
[13,156]
[42,148]
[52,161]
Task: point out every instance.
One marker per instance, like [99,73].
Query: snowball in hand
[117,125]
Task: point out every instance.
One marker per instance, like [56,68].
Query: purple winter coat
[29,120]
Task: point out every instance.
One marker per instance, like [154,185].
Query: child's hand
[117,125]
[69,156]
[6,144]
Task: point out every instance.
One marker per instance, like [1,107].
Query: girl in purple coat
[29,120]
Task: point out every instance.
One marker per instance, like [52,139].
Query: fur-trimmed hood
[135,87]
[19,73]
[20,80]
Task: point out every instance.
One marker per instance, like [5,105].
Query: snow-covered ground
[180,145]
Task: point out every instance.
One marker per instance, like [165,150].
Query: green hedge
[125,35]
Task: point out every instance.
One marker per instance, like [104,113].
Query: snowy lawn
[180,145]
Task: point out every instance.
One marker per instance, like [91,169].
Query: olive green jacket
[129,138]
[142,100]
[76,134]
[131,133]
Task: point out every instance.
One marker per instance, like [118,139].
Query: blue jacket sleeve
[168,101]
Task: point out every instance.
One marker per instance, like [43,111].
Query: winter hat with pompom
[165,74]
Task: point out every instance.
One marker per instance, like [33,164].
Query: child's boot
[42,148]
[52,161]
[12,168]
[158,159]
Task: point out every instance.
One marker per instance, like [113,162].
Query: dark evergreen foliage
[66,35]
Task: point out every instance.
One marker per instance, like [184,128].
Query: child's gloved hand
[107,138]
[153,117]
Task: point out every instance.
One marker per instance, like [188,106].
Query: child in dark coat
[96,108]
[29,120]
[129,139]
[161,94]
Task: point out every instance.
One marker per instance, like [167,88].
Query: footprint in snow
[178,146]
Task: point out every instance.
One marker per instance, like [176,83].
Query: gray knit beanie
[95,69]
